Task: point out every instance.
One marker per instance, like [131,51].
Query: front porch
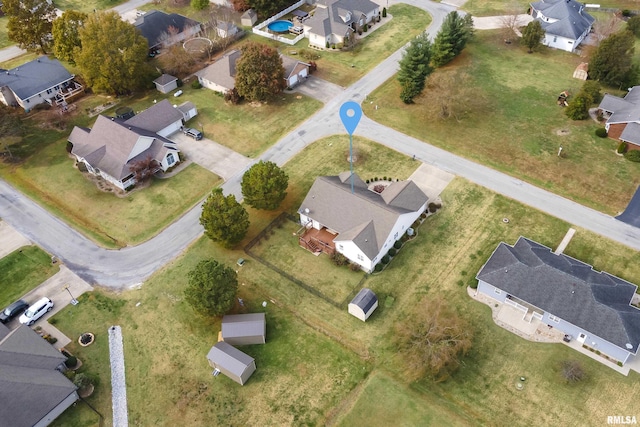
[318,241]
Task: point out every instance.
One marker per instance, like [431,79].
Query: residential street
[130,266]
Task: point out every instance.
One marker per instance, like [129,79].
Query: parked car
[13,310]
[193,133]
[36,311]
[178,93]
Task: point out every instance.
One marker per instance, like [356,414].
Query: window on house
[360,257]
[554,318]
[497,291]
[170,159]
[48,90]
[395,236]
[555,39]
[340,248]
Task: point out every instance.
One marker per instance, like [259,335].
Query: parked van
[193,133]
[36,311]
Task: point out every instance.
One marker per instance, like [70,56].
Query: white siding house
[565,22]
[592,307]
[362,225]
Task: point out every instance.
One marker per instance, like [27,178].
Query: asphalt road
[129,266]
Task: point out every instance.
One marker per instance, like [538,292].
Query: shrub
[232,96]
[313,66]
[384,12]
[339,259]
[179,82]
[378,188]
[622,148]
[71,362]
[397,244]
[601,132]
[415,224]
[572,371]
[333,46]
[196,85]
[367,181]
[340,45]
[70,374]
[82,380]
[378,267]
[473,284]
[392,252]
[433,207]
[375,179]
[633,25]
[359,32]
[354,267]
[41,107]
[633,155]
[626,13]
[592,88]
[327,45]
[385,259]
[365,28]
[423,215]
[619,363]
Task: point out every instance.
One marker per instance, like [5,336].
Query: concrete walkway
[10,239]
[565,241]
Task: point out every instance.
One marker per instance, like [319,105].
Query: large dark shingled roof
[597,302]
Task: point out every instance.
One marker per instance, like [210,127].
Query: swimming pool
[280,26]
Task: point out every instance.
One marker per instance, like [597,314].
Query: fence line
[258,28]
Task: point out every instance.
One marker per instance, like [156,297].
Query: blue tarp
[631,214]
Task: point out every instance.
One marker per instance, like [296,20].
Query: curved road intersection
[130,266]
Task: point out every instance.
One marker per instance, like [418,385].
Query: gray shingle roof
[165,79]
[365,217]
[109,144]
[291,65]
[30,387]
[330,19]
[155,118]
[154,23]
[243,325]
[223,71]
[597,302]
[230,358]
[631,133]
[365,299]
[572,20]
[624,110]
[34,77]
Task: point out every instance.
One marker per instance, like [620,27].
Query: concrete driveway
[319,89]
[431,180]
[11,239]
[217,158]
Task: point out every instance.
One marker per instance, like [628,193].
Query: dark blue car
[13,310]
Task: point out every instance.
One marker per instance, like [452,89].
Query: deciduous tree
[212,288]
[432,340]
[532,36]
[11,128]
[633,25]
[224,219]
[451,94]
[266,8]
[199,4]
[264,186]
[113,55]
[611,64]
[572,371]
[578,108]
[453,36]
[259,72]
[177,61]
[144,169]
[414,68]
[66,35]
[30,23]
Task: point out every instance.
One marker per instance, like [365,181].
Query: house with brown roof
[112,147]
[33,391]
[221,75]
[344,215]
[335,20]
[295,71]
[623,117]
[593,307]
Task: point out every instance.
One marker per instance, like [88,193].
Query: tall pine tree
[415,68]
[452,38]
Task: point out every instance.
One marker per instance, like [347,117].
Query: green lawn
[518,127]
[23,270]
[86,6]
[4,39]
[501,7]
[280,248]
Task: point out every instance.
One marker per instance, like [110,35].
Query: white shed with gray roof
[232,362]
[244,329]
[363,304]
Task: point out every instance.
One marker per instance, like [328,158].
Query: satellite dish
[306,210]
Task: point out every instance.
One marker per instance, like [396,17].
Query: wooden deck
[318,241]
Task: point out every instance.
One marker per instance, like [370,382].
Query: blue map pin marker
[350,114]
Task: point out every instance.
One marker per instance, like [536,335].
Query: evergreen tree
[224,219]
[212,288]
[532,36]
[452,38]
[264,186]
[259,72]
[66,35]
[30,23]
[113,54]
[414,68]
[611,64]
[578,108]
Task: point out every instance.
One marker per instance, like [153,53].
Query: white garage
[294,71]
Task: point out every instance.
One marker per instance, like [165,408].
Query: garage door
[293,80]
[303,73]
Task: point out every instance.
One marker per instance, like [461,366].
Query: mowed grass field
[518,128]
[23,270]
[322,366]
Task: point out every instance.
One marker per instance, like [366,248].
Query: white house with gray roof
[565,293]
[112,147]
[335,20]
[565,22]
[230,361]
[34,83]
[623,117]
[33,392]
[362,225]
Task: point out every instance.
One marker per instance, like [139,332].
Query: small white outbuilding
[363,304]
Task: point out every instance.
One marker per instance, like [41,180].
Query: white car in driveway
[36,311]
